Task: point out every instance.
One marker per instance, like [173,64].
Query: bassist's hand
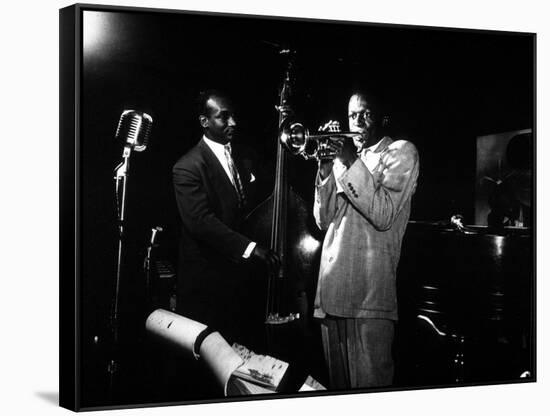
[266,256]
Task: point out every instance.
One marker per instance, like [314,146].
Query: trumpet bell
[294,137]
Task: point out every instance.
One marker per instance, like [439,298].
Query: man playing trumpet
[363,196]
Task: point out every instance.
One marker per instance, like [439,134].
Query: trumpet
[298,141]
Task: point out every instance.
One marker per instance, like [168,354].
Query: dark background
[441,88]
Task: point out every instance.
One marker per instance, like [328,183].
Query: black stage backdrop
[441,89]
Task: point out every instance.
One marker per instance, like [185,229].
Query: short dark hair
[204,96]
[370,98]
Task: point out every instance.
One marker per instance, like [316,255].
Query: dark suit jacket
[212,286]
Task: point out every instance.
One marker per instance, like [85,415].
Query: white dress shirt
[219,151]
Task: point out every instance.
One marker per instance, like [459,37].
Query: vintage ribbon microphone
[134,128]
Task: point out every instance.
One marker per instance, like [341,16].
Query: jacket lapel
[242,169]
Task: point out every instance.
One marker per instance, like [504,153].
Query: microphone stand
[147,268]
[121,176]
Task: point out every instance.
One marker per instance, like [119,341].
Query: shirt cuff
[249,250]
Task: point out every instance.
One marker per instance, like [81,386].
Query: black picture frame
[92,98]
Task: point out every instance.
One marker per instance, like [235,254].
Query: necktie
[234,175]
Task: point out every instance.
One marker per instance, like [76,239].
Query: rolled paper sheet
[182,332]
[220,357]
[173,328]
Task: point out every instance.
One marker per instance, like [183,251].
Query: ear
[204,121]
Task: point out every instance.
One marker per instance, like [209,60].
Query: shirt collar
[378,147]
[216,147]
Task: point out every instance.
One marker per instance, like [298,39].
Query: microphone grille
[134,127]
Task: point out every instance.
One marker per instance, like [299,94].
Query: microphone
[134,128]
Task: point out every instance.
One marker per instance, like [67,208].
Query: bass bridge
[276,319]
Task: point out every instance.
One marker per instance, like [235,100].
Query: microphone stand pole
[121,176]
[147,269]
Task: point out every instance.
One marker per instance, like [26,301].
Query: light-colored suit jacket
[365,219]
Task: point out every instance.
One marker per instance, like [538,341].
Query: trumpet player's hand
[342,148]
[328,150]
[347,152]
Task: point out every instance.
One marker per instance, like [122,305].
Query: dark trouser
[358,351]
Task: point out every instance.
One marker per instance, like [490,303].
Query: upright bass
[284,223]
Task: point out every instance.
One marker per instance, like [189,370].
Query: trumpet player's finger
[334,146]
